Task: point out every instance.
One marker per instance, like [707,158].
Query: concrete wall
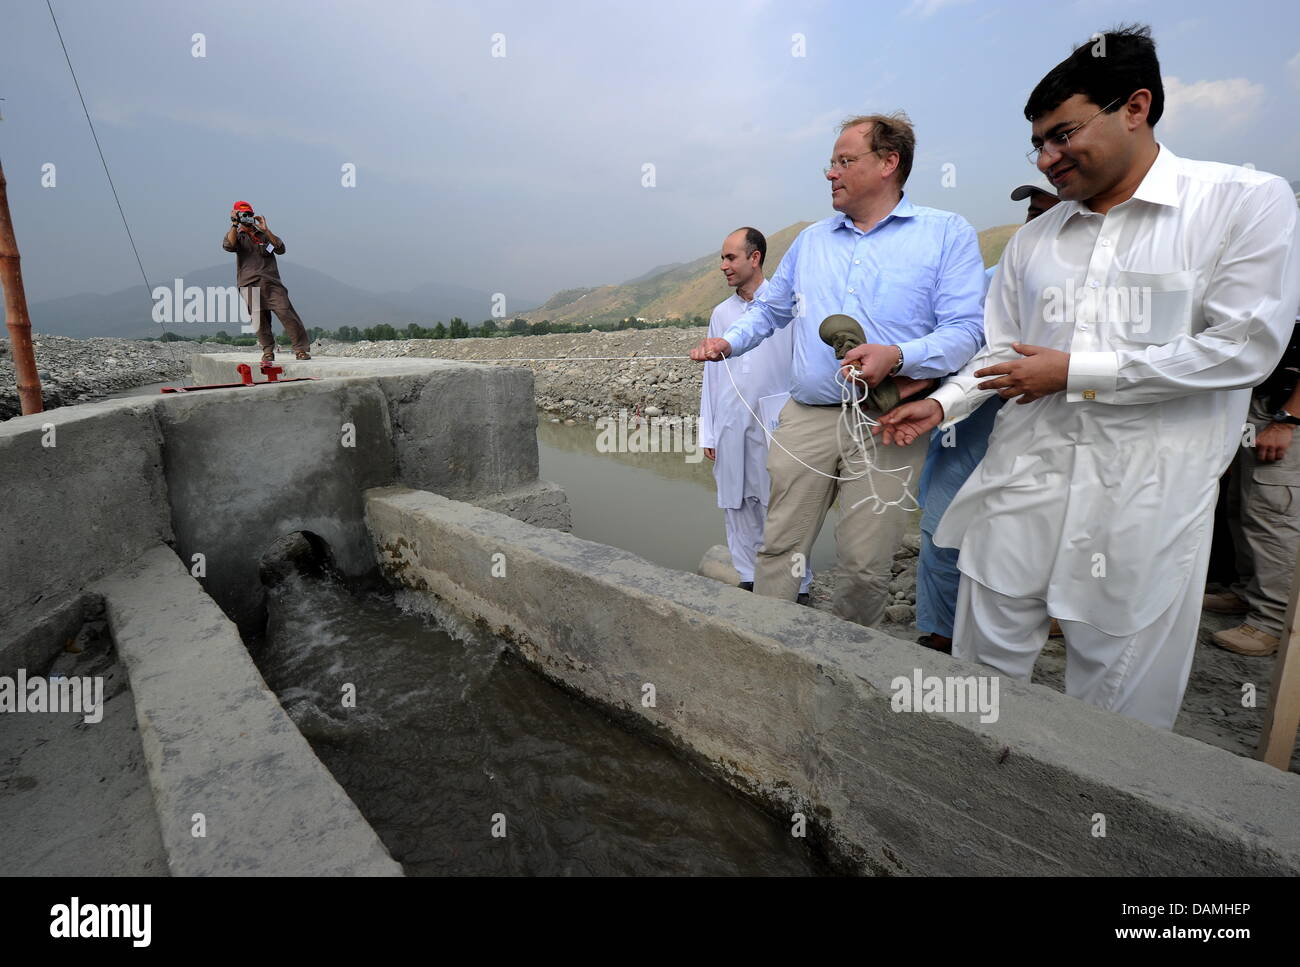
[226,472]
[794,706]
[247,466]
[460,429]
[219,748]
[83,493]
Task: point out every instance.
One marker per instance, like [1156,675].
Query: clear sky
[523,173]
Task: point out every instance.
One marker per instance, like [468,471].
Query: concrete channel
[157,510]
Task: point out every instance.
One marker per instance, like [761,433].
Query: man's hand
[1272,442]
[905,423]
[711,350]
[869,363]
[1041,373]
[260,222]
[711,453]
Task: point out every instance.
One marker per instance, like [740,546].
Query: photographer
[255,247]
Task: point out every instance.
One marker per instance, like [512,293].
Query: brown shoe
[1227,602]
[1247,640]
[937,642]
[268,357]
[1054,630]
[302,355]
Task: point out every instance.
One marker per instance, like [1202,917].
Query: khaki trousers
[274,297]
[865,541]
[1265,527]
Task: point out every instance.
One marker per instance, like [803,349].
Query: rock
[912,542]
[899,614]
[653,411]
[903,582]
[716,564]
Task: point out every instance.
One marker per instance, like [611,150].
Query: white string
[858,426]
[853,422]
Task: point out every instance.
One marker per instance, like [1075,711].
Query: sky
[504,145]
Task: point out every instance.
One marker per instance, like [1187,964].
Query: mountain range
[321,300]
[673,290]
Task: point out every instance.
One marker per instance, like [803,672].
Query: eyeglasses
[1061,140]
[842,162]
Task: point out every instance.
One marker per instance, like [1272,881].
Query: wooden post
[1277,741]
[16,318]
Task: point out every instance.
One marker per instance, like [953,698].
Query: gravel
[80,370]
[579,390]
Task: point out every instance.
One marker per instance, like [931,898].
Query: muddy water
[660,506]
[450,735]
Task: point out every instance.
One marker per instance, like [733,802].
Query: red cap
[242,206]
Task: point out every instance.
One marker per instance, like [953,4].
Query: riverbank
[585,388]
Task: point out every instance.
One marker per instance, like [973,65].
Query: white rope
[860,459]
[857,425]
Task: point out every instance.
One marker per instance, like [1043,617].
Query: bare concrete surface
[84,493]
[794,706]
[219,748]
[74,795]
[1217,708]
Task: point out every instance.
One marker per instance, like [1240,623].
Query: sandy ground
[74,796]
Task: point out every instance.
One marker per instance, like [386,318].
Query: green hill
[692,288]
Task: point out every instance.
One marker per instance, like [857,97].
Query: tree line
[456,329]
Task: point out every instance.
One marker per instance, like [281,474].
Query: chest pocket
[1151,308]
[903,295]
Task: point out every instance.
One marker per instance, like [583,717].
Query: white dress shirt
[741,465]
[1171,305]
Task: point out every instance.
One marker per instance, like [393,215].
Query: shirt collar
[1159,186]
[904,209]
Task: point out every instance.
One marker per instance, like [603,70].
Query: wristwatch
[898,367]
[1282,416]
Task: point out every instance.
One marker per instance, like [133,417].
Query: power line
[102,160]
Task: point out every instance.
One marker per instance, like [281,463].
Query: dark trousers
[274,297]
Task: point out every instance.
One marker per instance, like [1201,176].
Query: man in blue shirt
[913,278]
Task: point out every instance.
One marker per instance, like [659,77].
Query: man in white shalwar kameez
[1130,321]
[730,435]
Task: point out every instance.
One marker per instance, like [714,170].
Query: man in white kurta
[729,433]
[1131,336]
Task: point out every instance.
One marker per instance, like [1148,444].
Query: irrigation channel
[452,738]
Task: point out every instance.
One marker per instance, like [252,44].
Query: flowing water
[450,735]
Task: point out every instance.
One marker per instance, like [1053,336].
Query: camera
[246,218]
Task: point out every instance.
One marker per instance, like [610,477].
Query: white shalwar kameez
[1095,505]
[740,467]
